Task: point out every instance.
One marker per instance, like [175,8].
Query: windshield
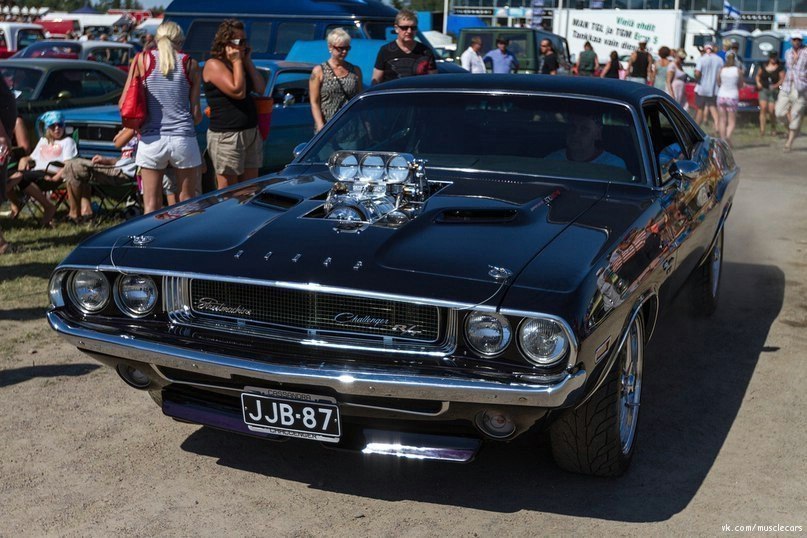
[523,134]
[21,81]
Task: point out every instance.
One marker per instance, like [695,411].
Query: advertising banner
[619,30]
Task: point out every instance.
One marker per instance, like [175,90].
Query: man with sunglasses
[403,57]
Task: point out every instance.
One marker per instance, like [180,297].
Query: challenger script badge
[209,304]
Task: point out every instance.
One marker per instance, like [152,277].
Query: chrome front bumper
[353,381]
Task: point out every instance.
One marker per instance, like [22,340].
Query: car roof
[620,90]
[82,44]
[282,64]
[247,8]
[46,63]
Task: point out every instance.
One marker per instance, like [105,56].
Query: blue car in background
[287,84]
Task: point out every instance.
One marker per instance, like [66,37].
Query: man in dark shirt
[8,117]
[403,57]
[549,60]
[641,65]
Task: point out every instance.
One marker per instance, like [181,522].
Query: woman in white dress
[729,80]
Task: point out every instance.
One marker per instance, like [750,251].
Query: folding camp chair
[124,200]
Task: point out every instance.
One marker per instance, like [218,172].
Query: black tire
[599,437]
[705,281]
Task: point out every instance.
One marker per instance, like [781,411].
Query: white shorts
[158,152]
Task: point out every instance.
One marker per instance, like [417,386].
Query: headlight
[55,289]
[136,295]
[543,341]
[487,333]
[89,291]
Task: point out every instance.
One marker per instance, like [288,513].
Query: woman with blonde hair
[676,78]
[168,137]
[333,83]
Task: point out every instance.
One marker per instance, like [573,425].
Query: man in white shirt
[470,59]
[706,70]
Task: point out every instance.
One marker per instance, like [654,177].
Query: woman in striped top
[168,136]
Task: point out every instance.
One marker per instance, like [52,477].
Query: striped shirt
[169,104]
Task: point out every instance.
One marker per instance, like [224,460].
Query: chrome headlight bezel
[73,294]
[125,306]
[560,352]
[506,333]
[56,289]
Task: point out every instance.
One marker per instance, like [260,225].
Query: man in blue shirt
[503,60]
[584,143]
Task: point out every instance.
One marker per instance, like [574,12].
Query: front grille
[97,133]
[311,317]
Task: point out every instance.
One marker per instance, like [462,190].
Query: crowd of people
[165,155]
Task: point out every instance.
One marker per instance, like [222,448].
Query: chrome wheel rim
[630,385]
[717,258]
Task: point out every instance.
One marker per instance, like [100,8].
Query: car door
[74,88]
[684,174]
[292,122]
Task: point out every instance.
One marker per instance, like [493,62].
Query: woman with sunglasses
[335,82]
[403,57]
[233,139]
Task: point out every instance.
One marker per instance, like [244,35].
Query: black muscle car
[452,261]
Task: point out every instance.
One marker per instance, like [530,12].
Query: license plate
[291,414]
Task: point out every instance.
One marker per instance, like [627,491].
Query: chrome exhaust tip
[421,446]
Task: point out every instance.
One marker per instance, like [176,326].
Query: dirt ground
[722,436]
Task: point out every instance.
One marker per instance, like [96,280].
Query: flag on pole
[731,11]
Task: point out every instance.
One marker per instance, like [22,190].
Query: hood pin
[499,273]
[238,254]
[267,255]
[327,262]
[357,266]
[141,240]
[297,258]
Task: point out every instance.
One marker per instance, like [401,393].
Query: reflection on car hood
[262,231]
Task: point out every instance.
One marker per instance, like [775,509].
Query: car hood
[267,230]
[105,113]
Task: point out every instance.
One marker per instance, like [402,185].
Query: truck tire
[599,437]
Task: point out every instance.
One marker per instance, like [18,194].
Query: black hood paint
[231,233]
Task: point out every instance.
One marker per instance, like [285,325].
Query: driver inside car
[584,143]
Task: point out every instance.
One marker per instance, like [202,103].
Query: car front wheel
[599,437]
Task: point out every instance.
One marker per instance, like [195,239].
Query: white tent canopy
[88,19]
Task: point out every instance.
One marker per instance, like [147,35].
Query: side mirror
[288,100]
[298,149]
[681,170]
[64,94]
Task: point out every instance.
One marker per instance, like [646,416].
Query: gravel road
[722,436]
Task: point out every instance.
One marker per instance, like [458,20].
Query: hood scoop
[277,200]
[476,216]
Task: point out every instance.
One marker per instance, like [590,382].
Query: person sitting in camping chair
[45,163]
[80,174]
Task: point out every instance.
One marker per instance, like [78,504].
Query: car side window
[200,37]
[291,83]
[77,84]
[667,145]
[687,132]
[259,35]
[289,33]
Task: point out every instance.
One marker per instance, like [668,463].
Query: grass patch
[24,272]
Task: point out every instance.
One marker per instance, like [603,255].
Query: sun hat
[796,35]
[52,117]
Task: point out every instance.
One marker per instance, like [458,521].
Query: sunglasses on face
[238,42]
[56,126]
[341,49]
[405,28]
